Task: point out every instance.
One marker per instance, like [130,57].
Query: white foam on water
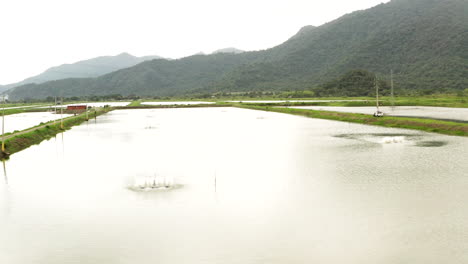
[393,140]
[151,183]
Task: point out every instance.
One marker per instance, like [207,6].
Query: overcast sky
[39,34]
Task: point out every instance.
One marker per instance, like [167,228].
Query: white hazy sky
[38,34]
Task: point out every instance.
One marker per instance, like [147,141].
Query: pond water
[292,101]
[26,106]
[450,113]
[251,187]
[92,104]
[26,120]
[102,104]
[177,103]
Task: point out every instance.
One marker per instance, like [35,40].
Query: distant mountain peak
[307,28]
[125,54]
[303,31]
[228,50]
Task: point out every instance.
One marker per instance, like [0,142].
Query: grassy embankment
[434,100]
[135,103]
[428,125]
[23,139]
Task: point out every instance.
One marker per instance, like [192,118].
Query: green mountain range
[424,42]
[228,50]
[84,69]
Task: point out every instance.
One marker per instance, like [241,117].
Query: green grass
[435,100]
[428,125]
[23,141]
[135,103]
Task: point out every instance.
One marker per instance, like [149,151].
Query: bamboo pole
[376,92]
[391,87]
[3,125]
[61,113]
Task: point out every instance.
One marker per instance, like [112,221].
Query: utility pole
[391,88]
[3,125]
[376,92]
[61,113]
[55,110]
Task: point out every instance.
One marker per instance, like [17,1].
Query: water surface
[177,103]
[26,120]
[91,104]
[292,101]
[255,187]
[460,114]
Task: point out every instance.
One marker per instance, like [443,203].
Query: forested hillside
[157,77]
[425,42]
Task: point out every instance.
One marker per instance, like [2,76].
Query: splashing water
[152,183]
[391,140]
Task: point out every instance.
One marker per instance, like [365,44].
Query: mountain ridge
[423,41]
[93,67]
[228,50]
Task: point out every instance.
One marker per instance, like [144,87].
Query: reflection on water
[5,203]
[145,183]
[281,189]
[394,138]
[444,113]
[177,103]
[5,172]
[382,138]
[291,101]
[432,143]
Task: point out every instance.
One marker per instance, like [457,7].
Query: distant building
[75,109]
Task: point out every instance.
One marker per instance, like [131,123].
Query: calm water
[102,104]
[177,103]
[411,111]
[288,190]
[26,120]
[91,104]
[291,101]
[27,106]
